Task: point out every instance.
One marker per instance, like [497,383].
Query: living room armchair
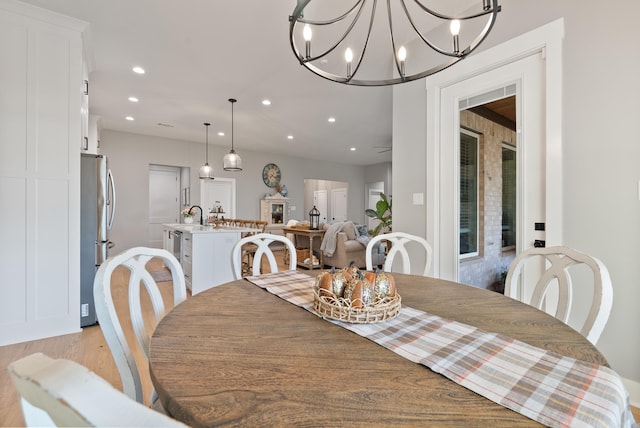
[350,246]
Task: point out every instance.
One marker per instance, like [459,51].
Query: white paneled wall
[40,138]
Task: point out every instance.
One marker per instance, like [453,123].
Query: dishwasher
[177,245]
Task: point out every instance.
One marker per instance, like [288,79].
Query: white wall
[130,155]
[600,154]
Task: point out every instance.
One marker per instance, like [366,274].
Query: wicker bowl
[340,309]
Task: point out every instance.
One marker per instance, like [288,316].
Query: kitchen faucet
[197,206]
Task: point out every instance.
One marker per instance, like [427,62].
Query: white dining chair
[58,392]
[398,242]
[135,260]
[556,271]
[261,242]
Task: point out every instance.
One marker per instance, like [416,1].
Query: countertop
[197,228]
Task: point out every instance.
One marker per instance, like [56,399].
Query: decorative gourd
[383,285]
[359,292]
[352,270]
[371,276]
[332,283]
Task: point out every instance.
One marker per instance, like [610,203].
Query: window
[508,196]
[469,190]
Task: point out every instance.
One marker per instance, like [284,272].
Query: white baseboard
[634,391]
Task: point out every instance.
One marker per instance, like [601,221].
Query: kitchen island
[204,252]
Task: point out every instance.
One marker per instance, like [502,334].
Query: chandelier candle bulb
[455,31]
[348,56]
[402,55]
[306,34]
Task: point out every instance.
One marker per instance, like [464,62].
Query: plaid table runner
[554,390]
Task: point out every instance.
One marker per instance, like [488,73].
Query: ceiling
[199,53]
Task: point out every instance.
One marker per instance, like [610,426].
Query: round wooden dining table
[237,355]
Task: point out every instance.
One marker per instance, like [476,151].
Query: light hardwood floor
[87,348]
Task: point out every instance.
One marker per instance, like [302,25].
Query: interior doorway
[164,200]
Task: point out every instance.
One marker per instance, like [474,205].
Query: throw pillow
[362,230]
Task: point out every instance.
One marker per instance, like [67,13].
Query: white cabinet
[41,128]
[206,254]
[84,110]
[167,240]
[207,259]
[275,209]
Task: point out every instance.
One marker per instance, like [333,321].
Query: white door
[320,201]
[339,204]
[527,74]
[164,200]
[222,191]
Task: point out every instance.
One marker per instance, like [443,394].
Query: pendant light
[232,161]
[206,172]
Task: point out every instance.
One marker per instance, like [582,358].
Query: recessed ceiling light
[266,102]
[289,137]
[129,118]
[332,119]
[353,149]
[133,99]
[221,134]
[138,70]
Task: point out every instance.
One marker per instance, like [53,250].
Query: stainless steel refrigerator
[97,211]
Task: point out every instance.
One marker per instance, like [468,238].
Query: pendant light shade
[232,161]
[206,172]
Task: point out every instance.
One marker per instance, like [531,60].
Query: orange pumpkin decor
[354,287]
[352,295]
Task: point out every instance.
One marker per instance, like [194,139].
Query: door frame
[545,40]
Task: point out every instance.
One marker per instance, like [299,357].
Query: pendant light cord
[207,142]
[232,101]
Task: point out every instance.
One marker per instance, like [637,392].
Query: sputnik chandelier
[319,37]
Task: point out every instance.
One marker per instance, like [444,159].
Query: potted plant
[382,213]
[188,216]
